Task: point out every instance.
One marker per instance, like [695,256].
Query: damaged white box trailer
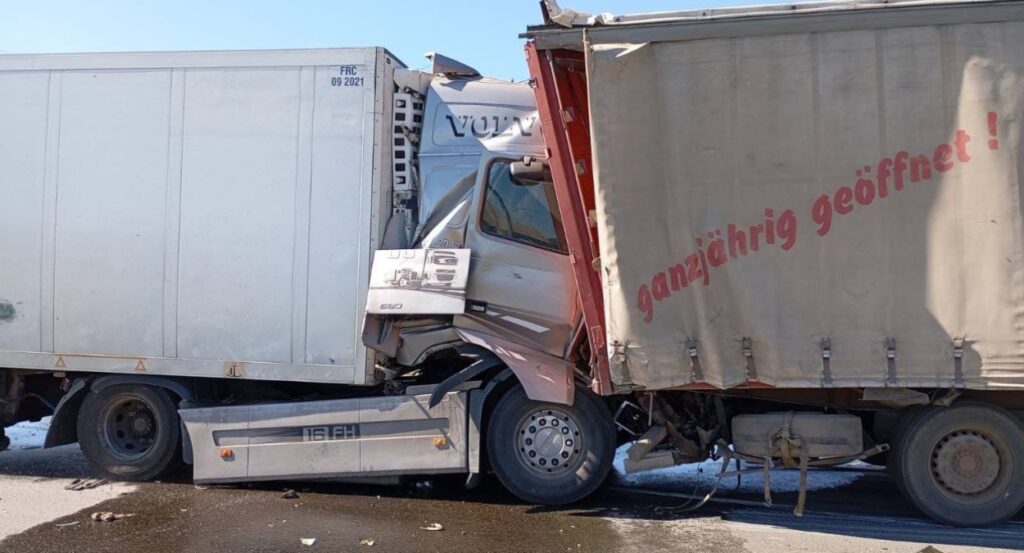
[192,214]
[788,234]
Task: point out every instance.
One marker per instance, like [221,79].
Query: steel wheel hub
[129,429]
[549,441]
[966,463]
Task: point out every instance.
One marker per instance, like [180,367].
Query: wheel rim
[549,441]
[971,465]
[129,428]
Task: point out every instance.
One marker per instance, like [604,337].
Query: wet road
[854,512]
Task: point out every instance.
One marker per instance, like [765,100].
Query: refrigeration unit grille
[408,125]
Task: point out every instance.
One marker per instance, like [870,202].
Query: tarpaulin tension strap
[748,354]
[826,362]
[691,349]
[958,362]
[890,361]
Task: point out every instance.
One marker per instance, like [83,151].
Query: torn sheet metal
[572,18]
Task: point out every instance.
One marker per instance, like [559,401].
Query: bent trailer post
[561,103]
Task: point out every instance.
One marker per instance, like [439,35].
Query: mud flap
[63,426]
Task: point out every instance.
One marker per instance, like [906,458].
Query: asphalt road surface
[856,511]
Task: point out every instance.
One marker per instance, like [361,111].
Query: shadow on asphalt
[870,507]
[60,462]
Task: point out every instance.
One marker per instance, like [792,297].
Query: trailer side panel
[829,208]
[191,214]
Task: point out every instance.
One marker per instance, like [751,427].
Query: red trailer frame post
[559,82]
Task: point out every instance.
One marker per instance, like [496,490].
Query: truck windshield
[520,210]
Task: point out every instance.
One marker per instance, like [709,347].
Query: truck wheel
[548,453]
[130,432]
[896,440]
[963,465]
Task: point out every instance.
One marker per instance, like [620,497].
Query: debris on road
[435,527]
[308,541]
[290,494]
[66,524]
[367,542]
[107,516]
[79,484]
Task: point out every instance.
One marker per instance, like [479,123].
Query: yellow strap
[801,500]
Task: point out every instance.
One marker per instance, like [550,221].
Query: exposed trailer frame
[561,94]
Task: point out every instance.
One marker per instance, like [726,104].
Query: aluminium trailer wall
[813,200]
[192,213]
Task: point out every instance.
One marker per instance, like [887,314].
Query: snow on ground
[699,478]
[28,435]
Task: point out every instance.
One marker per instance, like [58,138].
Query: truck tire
[893,461]
[130,432]
[963,465]
[548,453]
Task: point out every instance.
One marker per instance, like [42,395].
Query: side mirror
[531,171]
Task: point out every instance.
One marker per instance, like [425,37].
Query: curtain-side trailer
[816,205]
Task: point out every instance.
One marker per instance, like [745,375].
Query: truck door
[521,285]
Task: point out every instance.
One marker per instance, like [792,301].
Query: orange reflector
[440,441]
[226,453]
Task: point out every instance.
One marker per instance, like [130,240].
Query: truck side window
[523,211]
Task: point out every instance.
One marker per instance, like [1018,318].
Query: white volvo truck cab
[492,379]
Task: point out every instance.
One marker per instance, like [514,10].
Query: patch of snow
[28,435]
[644,535]
[699,478]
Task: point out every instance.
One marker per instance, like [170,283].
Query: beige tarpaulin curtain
[813,209]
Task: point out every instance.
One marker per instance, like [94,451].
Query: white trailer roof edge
[181,59]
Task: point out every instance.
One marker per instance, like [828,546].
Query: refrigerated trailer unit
[786,234]
[193,214]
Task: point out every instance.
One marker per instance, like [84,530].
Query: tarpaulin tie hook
[958,362]
[748,353]
[826,362]
[890,360]
[691,349]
